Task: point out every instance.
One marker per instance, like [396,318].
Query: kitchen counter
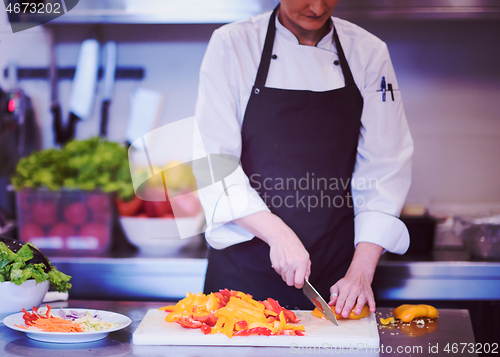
[453,327]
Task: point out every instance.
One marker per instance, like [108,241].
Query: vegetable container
[13,298]
[481,236]
[68,222]
[160,236]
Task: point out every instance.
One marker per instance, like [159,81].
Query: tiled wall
[448,73]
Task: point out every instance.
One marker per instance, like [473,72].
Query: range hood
[164,11]
[223,11]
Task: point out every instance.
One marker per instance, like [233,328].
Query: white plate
[70,337]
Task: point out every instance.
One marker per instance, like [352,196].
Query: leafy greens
[14,267]
[81,164]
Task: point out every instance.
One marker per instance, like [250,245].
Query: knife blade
[84,85]
[319,302]
[109,78]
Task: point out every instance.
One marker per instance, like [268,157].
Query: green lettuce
[80,165]
[14,267]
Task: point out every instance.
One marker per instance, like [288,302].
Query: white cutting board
[363,333]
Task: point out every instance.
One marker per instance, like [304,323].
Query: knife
[318,301]
[84,85]
[55,107]
[109,77]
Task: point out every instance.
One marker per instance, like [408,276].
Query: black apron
[298,150]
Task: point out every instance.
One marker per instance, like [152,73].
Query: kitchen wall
[448,73]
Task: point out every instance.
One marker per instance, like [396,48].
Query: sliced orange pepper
[406,312]
[352,315]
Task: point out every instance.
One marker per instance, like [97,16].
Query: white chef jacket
[382,172]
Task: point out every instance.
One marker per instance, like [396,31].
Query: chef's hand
[288,256]
[355,287]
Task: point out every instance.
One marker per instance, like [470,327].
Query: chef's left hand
[355,287]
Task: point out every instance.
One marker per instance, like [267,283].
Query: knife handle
[57,124]
[71,129]
[104,118]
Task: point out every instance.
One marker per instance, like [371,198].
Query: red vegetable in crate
[76,213]
[157,208]
[129,208]
[98,202]
[45,213]
[63,230]
[30,231]
[98,230]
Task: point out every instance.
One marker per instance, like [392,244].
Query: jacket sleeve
[382,173]
[219,119]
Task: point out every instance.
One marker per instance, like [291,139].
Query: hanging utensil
[84,86]
[55,108]
[109,78]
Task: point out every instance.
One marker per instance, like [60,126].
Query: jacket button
[274,56]
[257,91]
[336,62]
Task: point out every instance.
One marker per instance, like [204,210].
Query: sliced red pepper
[290,316]
[206,329]
[275,306]
[223,298]
[226,293]
[267,305]
[242,324]
[209,319]
[188,322]
[30,317]
[253,331]
[299,332]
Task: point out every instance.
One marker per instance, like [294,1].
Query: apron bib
[298,150]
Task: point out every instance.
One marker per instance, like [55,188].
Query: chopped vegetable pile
[44,320]
[233,313]
[14,267]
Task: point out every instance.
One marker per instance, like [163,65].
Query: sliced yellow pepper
[406,312]
[387,321]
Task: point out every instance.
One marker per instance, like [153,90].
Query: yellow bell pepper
[352,315]
[407,313]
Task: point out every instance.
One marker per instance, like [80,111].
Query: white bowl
[13,298]
[160,236]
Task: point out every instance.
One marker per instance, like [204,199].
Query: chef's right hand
[288,256]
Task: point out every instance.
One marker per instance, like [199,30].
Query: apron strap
[265,59]
[346,71]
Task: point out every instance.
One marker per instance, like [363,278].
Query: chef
[325,156]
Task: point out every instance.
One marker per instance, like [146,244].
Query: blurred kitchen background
[446,55]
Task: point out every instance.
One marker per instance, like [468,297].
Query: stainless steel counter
[443,276]
[453,327]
